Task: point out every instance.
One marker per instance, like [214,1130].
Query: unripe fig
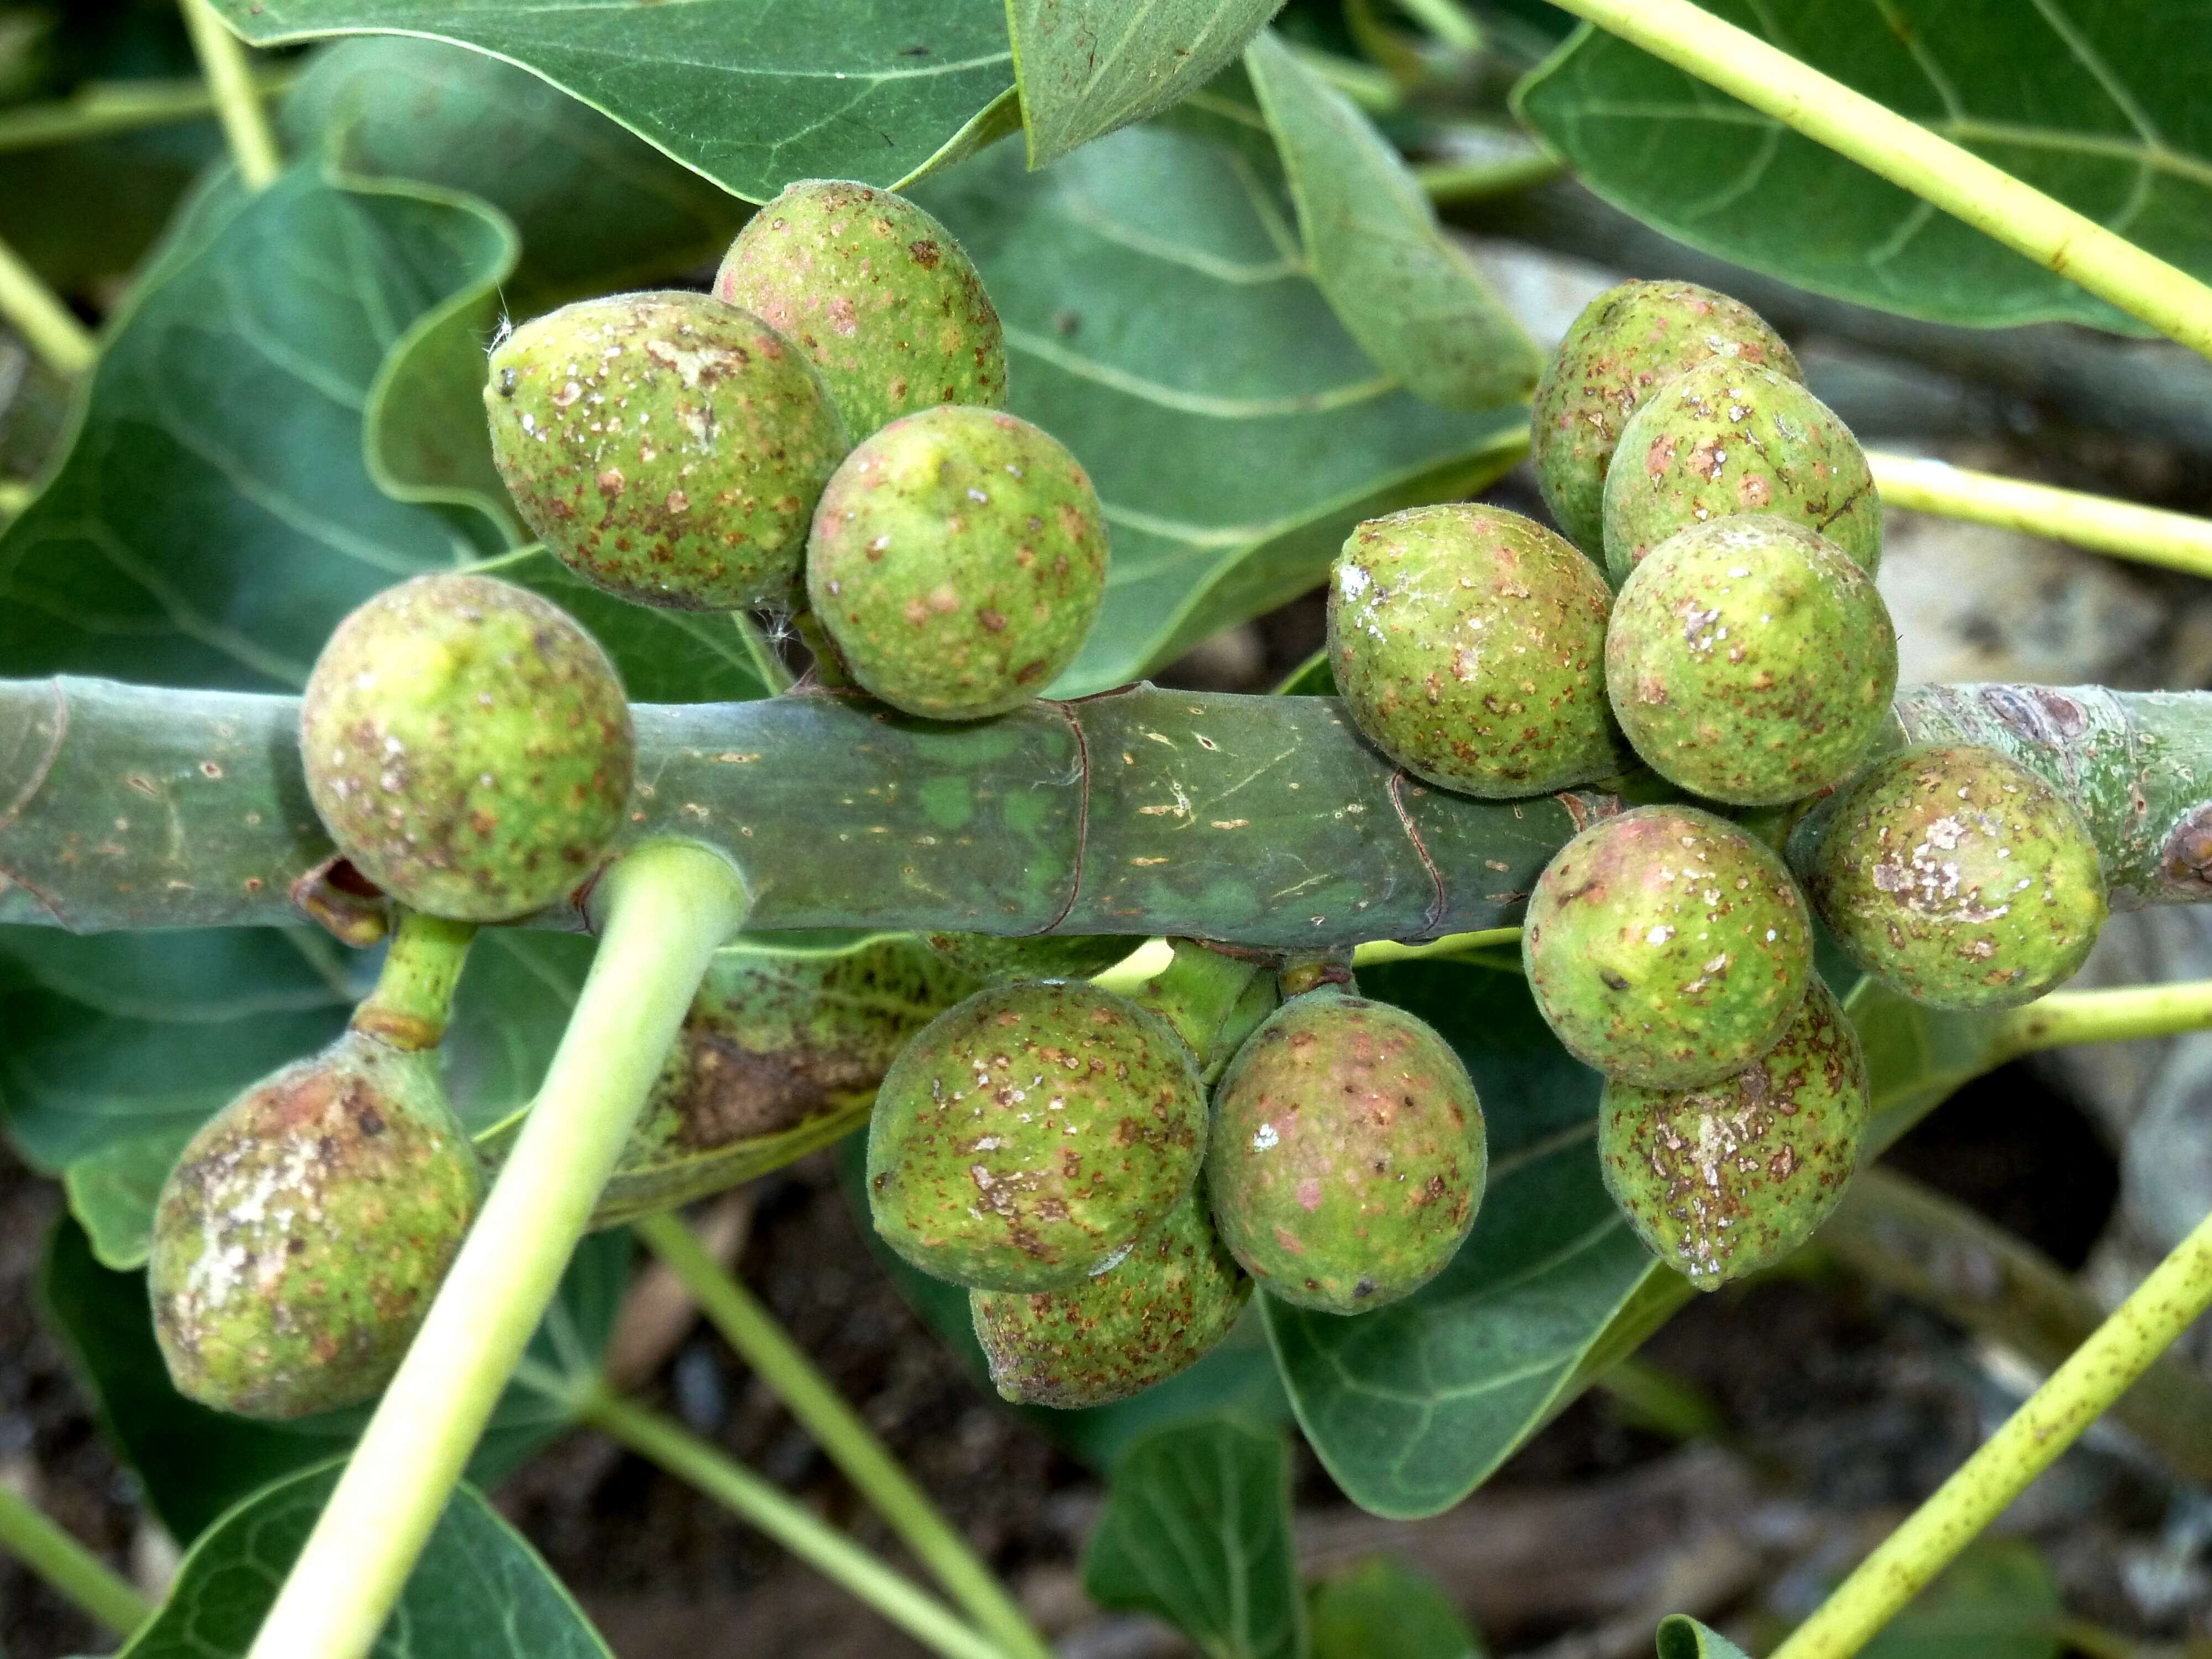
[1347,1155]
[1469,644]
[1156,1312]
[1628,343]
[1724,1179]
[996,959]
[303,1231]
[1028,1136]
[1730,437]
[666,447]
[781,1053]
[1666,948]
[468,747]
[1956,876]
[1750,661]
[957,559]
[877,294]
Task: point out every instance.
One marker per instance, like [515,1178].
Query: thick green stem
[752,1331]
[1914,1241]
[1196,992]
[32,1537]
[2082,1389]
[414,994]
[229,74]
[2119,1014]
[797,1529]
[1937,171]
[666,909]
[105,108]
[2148,535]
[45,324]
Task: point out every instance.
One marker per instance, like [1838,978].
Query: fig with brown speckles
[1347,1156]
[1956,876]
[301,1234]
[1156,1312]
[958,559]
[1725,1179]
[1729,437]
[1666,947]
[468,747]
[666,447]
[1750,661]
[996,959]
[1469,644]
[876,293]
[1628,343]
[1029,1135]
[781,1053]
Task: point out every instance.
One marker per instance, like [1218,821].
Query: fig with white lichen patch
[1347,1156]
[1729,437]
[1956,876]
[1667,947]
[666,447]
[996,959]
[1750,661]
[1469,645]
[468,746]
[1626,344]
[876,293]
[1029,1135]
[1157,1311]
[1729,1177]
[781,1052]
[300,1237]
[957,560]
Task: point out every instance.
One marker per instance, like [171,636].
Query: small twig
[1453,184]
[45,324]
[33,1538]
[230,80]
[104,108]
[2148,535]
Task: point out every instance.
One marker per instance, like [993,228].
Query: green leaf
[195,1463]
[1997,1602]
[1087,67]
[1380,1610]
[1160,323]
[753,94]
[1683,1638]
[1412,1407]
[1412,300]
[478,1588]
[2099,106]
[1196,1530]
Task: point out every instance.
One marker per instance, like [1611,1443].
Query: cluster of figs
[1109,1173]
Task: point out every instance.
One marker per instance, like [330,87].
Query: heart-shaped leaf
[2099,105]
[1197,1531]
[753,94]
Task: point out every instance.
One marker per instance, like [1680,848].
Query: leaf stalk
[47,325]
[2147,535]
[103,110]
[230,81]
[33,1537]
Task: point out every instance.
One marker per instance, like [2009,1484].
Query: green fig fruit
[1729,1177]
[996,959]
[1956,876]
[666,447]
[1729,437]
[957,560]
[1667,947]
[1469,645]
[1750,661]
[1029,1135]
[1157,1312]
[781,1052]
[1628,343]
[304,1230]
[468,747]
[877,294]
[1347,1156]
